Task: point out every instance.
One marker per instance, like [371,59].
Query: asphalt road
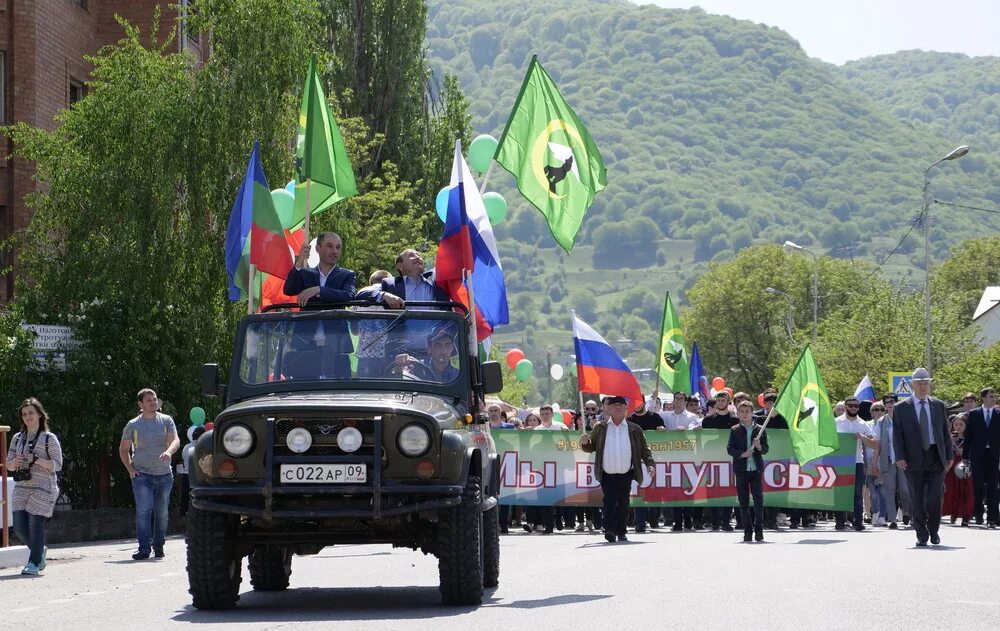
[812,579]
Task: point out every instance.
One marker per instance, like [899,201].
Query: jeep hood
[360,402]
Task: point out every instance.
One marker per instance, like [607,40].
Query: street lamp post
[957,152]
[788,316]
[794,247]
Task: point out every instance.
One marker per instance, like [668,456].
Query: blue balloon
[441,203]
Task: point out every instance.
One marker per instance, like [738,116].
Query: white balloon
[556,371]
[313,254]
[713,391]
[191,433]
[556,411]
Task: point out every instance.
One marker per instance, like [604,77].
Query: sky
[843,30]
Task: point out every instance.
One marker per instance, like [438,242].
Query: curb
[14,556]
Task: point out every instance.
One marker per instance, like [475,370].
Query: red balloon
[729,391]
[514,355]
[567,418]
[719,383]
[760,399]
[209,425]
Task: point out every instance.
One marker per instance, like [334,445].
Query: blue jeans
[152,504]
[30,530]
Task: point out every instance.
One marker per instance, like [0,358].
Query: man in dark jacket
[621,451]
[747,445]
[982,450]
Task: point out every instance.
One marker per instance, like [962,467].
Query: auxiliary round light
[237,440]
[349,439]
[299,440]
[414,440]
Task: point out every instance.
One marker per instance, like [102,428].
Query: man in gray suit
[924,451]
[891,478]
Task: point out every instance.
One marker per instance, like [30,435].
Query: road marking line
[23,609]
[169,574]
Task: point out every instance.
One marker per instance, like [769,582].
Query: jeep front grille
[324,436]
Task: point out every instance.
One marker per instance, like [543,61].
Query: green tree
[973,266]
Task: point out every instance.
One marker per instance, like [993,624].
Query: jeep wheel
[214,568]
[270,567]
[459,549]
[491,547]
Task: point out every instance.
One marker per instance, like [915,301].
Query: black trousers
[616,487]
[985,480]
[747,484]
[926,490]
[859,495]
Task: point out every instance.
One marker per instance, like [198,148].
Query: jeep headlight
[237,440]
[414,440]
[299,440]
[349,439]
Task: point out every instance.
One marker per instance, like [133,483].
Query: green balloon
[524,370]
[572,369]
[481,152]
[284,205]
[496,207]
[197,415]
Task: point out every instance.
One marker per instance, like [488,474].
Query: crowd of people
[950,467]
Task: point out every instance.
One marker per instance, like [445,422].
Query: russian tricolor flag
[467,223]
[865,390]
[599,368]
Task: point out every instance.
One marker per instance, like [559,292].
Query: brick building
[43,70]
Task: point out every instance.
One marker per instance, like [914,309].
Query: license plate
[323,473]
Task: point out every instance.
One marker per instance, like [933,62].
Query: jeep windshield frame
[285,351]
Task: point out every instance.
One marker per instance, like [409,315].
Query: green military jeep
[343,426]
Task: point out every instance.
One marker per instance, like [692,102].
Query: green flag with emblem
[552,155]
[806,407]
[673,366]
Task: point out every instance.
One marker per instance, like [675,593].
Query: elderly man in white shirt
[621,452]
[851,423]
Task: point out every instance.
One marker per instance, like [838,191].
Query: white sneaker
[590,526]
[580,527]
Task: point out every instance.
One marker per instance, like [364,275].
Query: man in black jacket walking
[747,445]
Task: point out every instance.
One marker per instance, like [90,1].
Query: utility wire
[985,210]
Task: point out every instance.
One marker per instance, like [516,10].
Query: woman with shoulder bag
[33,458]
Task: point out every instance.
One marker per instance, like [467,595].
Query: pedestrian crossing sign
[899,383]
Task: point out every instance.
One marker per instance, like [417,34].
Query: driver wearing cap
[441,347]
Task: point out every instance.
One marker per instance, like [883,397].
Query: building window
[76,91]
[190,35]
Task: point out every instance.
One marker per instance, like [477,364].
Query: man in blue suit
[982,450]
[924,451]
[327,281]
[324,283]
[413,284]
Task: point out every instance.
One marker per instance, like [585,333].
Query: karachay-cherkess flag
[552,155]
[268,248]
[806,407]
[320,155]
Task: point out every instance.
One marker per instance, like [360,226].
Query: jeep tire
[459,548]
[491,547]
[270,567]
[214,569]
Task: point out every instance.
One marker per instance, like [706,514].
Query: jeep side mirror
[492,377]
[210,379]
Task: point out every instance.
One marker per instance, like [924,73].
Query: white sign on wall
[50,344]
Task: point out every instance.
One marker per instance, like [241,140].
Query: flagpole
[486,178]
[305,227]
[659,354]
[473,338]
[250,288]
